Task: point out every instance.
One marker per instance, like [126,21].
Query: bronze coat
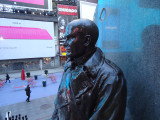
[93,91]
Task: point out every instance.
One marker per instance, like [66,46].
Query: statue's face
[74,43]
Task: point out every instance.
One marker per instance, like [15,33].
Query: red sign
[63,51]
[67,10]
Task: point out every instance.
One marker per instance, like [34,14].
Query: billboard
[66,14]
[43,4]
[21,39]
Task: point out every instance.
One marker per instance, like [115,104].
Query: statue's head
[81,36]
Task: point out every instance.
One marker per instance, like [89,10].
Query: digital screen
[27,3]
[36,2]
[21,39]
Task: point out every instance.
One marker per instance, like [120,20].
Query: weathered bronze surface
[92,87]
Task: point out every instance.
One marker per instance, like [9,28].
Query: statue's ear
[87,40]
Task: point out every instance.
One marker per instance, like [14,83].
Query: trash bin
[44,83]
[28,74]
[35,77]
[46,72]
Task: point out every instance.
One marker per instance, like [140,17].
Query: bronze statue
[92,87]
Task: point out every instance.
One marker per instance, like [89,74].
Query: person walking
[7,78]
[28,91]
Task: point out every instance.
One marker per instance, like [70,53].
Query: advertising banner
[20,39]
[42,4]
[66,13]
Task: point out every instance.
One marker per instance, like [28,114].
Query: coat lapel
[80,82]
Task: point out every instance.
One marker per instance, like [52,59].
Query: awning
[9,32]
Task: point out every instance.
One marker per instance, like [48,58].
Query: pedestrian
[28,91]
[7,78]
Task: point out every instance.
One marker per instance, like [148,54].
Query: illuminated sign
[67,10]
[63,51]
[66,13]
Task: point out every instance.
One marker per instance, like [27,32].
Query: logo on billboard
[67,10]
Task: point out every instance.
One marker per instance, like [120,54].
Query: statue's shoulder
[112,66]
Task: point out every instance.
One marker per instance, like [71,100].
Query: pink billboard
[37,2]
[9,32]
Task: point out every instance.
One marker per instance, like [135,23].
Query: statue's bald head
[84,27]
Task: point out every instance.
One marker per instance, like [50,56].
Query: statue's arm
[54,115]
[107,98]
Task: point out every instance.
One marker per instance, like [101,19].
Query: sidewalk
[38,72]
[38,109]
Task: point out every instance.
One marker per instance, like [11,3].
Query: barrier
[53,78]
[33,83]
[1,83]
[19,87]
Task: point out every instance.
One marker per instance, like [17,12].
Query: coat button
[78,101]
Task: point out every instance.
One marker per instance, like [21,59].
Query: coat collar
[92,65]
[95,62]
